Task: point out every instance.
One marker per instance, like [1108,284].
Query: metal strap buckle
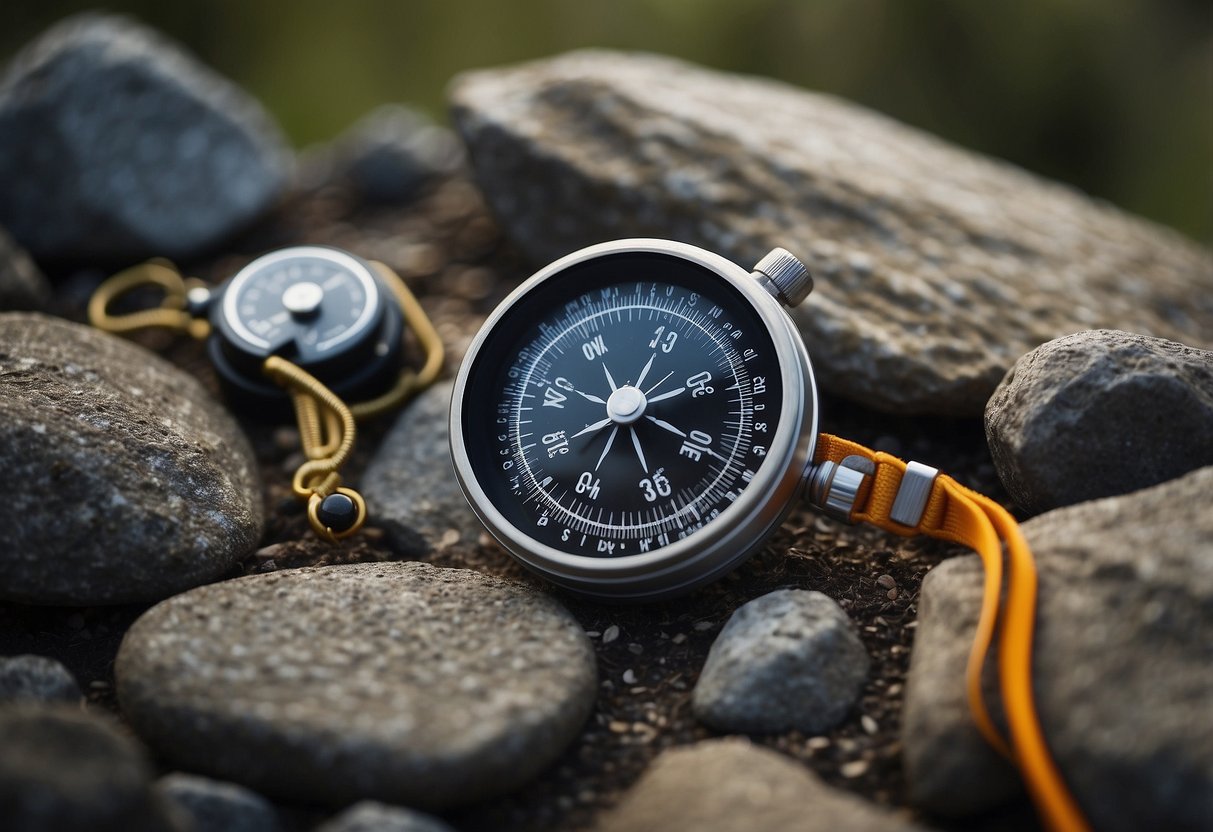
[833,487]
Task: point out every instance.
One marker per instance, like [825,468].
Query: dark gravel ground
[449,250]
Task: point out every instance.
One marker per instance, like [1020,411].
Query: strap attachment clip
[834,487]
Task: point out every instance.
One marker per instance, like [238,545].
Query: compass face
[622,405]
[306,302]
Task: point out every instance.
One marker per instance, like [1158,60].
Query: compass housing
[721,543]
[321,308]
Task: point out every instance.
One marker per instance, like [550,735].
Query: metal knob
[789,277]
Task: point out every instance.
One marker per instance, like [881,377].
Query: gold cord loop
[172,314]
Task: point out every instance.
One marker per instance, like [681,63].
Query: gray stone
[788,660]
[64,770]
[118,145]
[1100,413]
[398,682]
[936,268]
[730,785]
[393,152]
[1123,664]
[36,679]
[22,285]
[369,816]
[214,806]
[410,486]
[125,480]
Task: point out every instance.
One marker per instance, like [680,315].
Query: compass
[323,309]
[637,418]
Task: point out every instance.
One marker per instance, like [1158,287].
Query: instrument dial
[624,407]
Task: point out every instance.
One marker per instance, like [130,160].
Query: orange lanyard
[960,515]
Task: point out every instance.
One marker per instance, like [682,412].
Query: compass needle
[648,366]
[658,384]
[591,428]
[661,423]
[671,394]
[639,450]
[610,439]
[610,380]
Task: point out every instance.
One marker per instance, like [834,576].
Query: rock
[1100,413]
[212,806]
[398,682]
[118,145]
[125,480]
[369,816]
[936,267]
[22,286]
[788,660]
[64,770]
[391,153]
[36,679]
[410,485]
[1122,662]
[730,785]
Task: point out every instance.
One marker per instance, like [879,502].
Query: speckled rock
[36,679]
[64,770]
[788,660]
[410,486]
[118,145]
[1100,413]
[213,806]
[369,816]
[22,285]
[730,785]
[398,682]
[936,268]
[391,153]
[1124,672]
[124,479]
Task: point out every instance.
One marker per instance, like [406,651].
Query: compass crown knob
[789,277]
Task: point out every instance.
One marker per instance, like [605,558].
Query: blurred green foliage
[1113,96]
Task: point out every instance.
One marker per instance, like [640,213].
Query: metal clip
[833,487]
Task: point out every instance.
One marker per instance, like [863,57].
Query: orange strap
[957,514]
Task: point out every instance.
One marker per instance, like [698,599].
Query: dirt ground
[450,251]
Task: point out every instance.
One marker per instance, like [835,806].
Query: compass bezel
[739,530]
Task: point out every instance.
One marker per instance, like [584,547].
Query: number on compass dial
[633,416]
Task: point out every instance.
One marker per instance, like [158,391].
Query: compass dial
[624,407]
[307,302]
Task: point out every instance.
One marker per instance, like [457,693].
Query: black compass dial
[622,405]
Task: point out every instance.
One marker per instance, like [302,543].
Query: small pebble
[886,581]
[817,743]
[855,768]
[610,634]
[629,677]
[870,725]
[679,638]
[892,594]
[635,649]
[700,626]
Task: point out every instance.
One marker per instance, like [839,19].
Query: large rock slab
[410,485]
[1100,413]
[1124,672]
[732,786]
[936,267]
[125,480]
[64,770]
[116,144]
[790,659]
[398,682]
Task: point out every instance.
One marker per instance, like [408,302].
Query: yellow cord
[327,428]
[959,515]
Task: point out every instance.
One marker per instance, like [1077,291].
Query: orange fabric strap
[957,514]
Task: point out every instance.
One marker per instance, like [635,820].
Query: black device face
[622,404]
[306,304]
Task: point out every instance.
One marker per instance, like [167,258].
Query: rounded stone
[788,660]
[214,806]
[399,682]
[1100,413]
[411,482]
[37,679]
[117,144]
[125,480]
[66,770]
[369,816]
